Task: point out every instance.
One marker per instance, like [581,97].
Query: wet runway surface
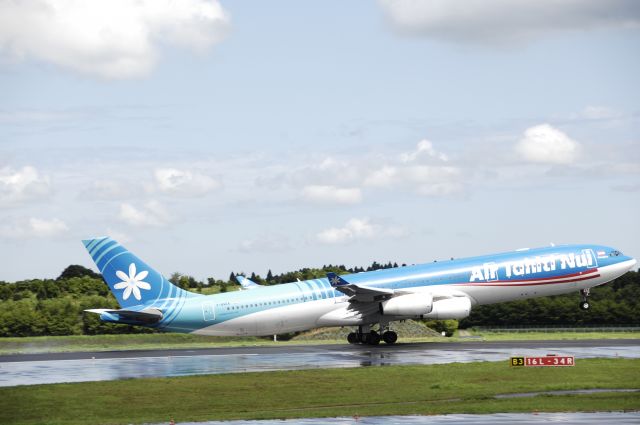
[618,418]
[29,369]
[597,418]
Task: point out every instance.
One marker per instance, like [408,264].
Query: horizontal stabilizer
[147,316]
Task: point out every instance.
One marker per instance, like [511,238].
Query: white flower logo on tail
[132,283]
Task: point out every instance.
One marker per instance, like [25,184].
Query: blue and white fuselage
[439,290]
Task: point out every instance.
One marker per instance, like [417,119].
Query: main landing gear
[365,335]
[584,303]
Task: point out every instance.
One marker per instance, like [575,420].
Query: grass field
[171,340]
[535,336]
[394,390]
[42,344]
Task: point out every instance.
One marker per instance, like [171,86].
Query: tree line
[55,306]
[616,303]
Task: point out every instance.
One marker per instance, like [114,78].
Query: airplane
[438,290]
[246,283]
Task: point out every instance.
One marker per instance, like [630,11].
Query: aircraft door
[209,311]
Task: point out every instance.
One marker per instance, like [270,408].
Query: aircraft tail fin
[336,280]
[131,280]
[246,283]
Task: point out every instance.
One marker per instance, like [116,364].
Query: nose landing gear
[584,303]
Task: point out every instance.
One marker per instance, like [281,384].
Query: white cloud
[25,184]
[110,190]
[121,237]
[46,228]
[332,195]
[265,243]
[548,145]
[33,228]
[424,147]
[184,183]
[384,177]
[358,229]
[330,163]
[109,39]
[424,170]
[600,113]
[506,21]
[151,214]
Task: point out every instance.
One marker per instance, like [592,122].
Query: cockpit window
[615,254]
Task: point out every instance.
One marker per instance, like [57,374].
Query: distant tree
[446,326]
[55,307]
[257,279]
[76,270]
[193,283]
[183,283]
[269,276]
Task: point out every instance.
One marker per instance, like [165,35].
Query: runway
[29,369]
[595,418]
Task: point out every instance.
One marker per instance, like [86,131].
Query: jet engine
[422,305]
[407,305]
[450,308]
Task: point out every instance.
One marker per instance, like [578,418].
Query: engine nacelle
[450,308]
[407,305]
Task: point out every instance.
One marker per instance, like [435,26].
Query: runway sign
[553,361]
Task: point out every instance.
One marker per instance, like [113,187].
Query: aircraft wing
[364,293]
[147,316]
[359,292]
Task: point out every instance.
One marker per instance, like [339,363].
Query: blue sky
[210,137]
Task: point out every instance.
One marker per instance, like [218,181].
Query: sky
[216,136]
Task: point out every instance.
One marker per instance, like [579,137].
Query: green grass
[50,344]
[42,344]
[534,336]
[394,390]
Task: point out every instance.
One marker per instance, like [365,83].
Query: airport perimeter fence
[538,328]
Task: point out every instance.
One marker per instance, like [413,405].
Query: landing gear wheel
[374,338]
[584,304]
[352,338]
[390,337]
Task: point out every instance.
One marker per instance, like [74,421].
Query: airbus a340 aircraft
[439,290]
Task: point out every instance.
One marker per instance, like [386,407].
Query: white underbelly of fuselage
[290,318]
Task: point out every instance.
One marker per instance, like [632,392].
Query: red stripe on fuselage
[532,282]
[586,272]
